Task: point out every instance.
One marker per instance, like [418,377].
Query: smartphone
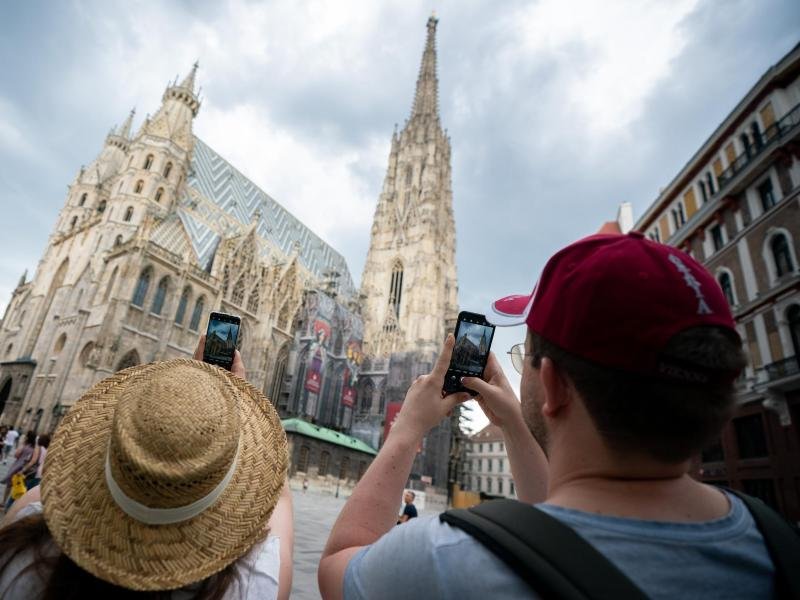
[221,338]
[473,341]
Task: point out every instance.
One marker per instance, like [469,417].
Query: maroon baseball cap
[616,300]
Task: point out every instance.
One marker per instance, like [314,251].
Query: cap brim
[510,310]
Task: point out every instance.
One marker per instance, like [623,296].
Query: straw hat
[163,474]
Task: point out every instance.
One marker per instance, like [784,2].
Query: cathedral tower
[409,281]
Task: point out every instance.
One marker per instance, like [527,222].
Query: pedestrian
[305,484]
[9,443]
[33,470]
[165,476]
[22,456]
[409,510]
[628,372]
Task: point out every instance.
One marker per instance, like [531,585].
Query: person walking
[33,470]
[409,510]
[164,476]
[22,457]
[9,443]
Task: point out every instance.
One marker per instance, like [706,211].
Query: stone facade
[488,470]
[735,207]
[155,233]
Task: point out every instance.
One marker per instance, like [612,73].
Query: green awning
[326,435]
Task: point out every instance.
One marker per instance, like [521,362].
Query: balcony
[783,368]
[770,137]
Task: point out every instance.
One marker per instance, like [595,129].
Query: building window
[500,467]
[302,460]
[343,467]
[409,174]
[793,320]
[167,170]
[396,288]
[128,214]
[161,294]
[141,288]
[502,447]
[766,194]
[159,193]
[489,465]
[237,295]
[512,488]
[716,237]
[754,130]
[703,191]
[324,461]
[148,162]
[727,287]
[101,207]
[655,235]
[763,489]
[710,182]
[9,348]
[746,144]
[82,201]
[481,448]
[181,312]
[197,313]
[73,222]
[750,437]
[118,240]
[781,256]
[138,188]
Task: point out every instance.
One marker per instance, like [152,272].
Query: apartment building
[487,468]
[735,207]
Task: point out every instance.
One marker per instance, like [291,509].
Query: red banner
[391,414]
[313,381]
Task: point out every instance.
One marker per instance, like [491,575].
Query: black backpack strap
[548,554]
[782,541]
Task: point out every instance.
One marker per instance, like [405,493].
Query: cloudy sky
[558,110]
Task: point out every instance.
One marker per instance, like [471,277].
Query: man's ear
[555,388]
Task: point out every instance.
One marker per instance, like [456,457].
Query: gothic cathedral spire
[409,282]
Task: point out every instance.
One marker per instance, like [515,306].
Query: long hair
[64,580]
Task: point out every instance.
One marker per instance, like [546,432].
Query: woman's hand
[425,404]
[495,396]
[237,368]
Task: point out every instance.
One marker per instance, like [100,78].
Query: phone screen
[471,351]
[221,337]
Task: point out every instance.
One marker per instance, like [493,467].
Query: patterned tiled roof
[221,201]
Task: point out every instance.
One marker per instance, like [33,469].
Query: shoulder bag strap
[782,541]
[548,554]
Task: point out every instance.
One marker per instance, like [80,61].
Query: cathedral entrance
[5,392]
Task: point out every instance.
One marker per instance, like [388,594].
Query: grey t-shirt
[424,558]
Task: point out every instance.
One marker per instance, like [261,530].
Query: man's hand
[424,406]
[495,396]
[238,366]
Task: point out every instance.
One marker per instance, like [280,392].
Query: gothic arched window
[181,312]
[302,462]
[197,313]
[101,207]
[280,371]
[409,174]
[118,240]
[139,186]
[148,162]
[82,201]
[128,214]
[161,294]
[324,462]
[167,170]
[141,288]
[780,254]
[73,222]
[253,300]
[159,193]
[131,359]
[727,287]
[396,287]
[237,295]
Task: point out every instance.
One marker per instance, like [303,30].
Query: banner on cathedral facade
[317,355]
[391,414]
[350,376]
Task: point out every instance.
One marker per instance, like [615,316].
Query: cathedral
[159,230]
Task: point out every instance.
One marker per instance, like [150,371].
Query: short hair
[413,495]
[44,440]
[666,419]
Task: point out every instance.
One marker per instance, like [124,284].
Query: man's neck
[633,491]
